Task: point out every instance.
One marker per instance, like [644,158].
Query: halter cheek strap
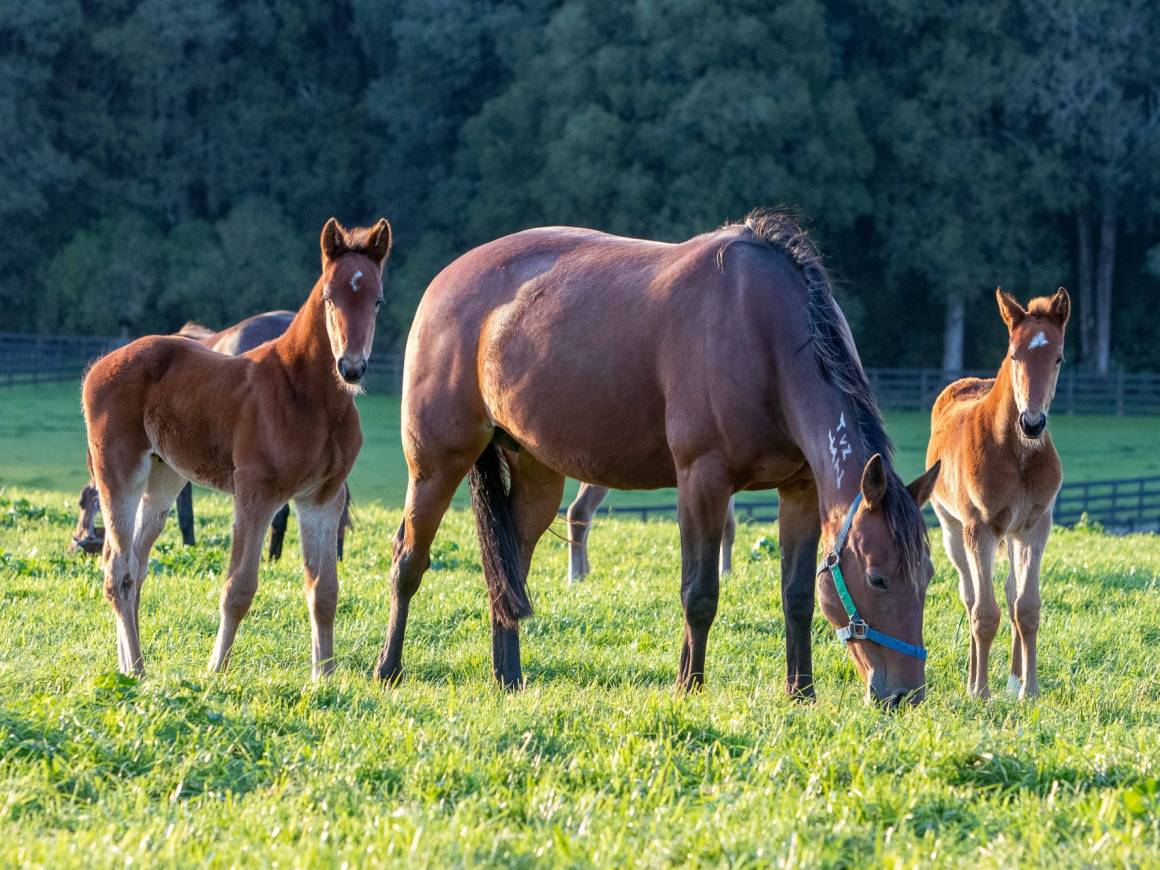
[857,628]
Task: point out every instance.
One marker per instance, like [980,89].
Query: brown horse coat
[153,414]
[716,365]
[1000,476]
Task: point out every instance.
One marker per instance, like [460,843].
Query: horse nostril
[351,371]
[1032,426]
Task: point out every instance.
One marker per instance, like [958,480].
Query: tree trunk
[1086,300]
[953,336]
[1104,272]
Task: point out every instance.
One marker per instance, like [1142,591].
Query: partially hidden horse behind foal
[583,508]
[152,410]
[716,365]
[233,340]
[1000,476]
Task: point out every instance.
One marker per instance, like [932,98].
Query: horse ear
[379,247]
[1009,309]
[873,481]
[922,487]
[333,240]
[1061,307]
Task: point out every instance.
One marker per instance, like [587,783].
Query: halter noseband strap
[858,629]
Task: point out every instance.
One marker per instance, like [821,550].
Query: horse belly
[192,440]
[582,425]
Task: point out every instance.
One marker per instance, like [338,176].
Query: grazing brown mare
[583,509]
[1000,476]
[715,365]
[234,341]
[152,410]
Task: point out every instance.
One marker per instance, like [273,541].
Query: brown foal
[1000,475]
[153,413]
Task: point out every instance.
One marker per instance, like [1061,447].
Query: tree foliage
[166,160]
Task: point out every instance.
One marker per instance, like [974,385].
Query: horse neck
[304,349]
[1000,409]
[834,449]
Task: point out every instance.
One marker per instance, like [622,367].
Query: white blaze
[1039,341]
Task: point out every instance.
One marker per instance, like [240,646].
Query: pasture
[597,762]
[43,439]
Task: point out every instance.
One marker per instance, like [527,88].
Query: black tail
[498,542]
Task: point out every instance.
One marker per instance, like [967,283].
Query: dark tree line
[162,160]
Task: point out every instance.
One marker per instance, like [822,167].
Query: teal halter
[858,629]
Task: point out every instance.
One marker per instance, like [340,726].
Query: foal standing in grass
[153,413]
[1000,475]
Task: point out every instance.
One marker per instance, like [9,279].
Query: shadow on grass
[1008,774]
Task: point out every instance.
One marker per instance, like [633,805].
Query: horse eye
[378,303]
[1059,360]
[877,581]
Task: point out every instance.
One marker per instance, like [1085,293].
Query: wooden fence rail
[1120,506]
[33,359]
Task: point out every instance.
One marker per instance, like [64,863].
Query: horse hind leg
[533,501]
[952,536]
[121,477]
[428,497]
[161,489]
[278,532]
[726,560]
[580,514]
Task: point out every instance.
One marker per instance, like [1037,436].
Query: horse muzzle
[352,368]
[1032,425]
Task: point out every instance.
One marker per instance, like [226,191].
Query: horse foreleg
[1015,677]
[703,490]
[252,514]
[799,528]
[979,544]
[580,514]
[162,488]
[318,525]
[1028,557]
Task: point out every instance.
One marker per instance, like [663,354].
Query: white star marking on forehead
[354,282]
[1039,341]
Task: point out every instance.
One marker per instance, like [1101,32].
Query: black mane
[839,366]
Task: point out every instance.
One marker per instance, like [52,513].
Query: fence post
[1120,393]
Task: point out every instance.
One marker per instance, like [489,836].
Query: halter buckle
[856,630]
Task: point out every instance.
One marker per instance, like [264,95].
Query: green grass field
[597,762]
